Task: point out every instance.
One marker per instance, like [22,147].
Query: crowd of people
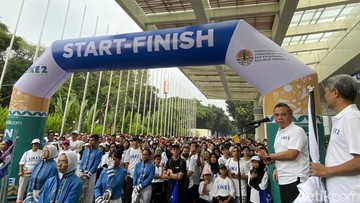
[123,168]
[77,167]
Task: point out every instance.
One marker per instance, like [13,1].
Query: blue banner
[195,46]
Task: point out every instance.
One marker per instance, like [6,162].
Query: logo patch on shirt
[336,131]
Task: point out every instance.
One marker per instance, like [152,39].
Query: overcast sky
[110,15]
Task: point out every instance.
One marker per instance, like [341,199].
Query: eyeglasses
[281,115]
[62,161]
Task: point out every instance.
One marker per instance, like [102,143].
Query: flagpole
[133,100]
[117,103]
[138,107]
[151,97]
[97,94]
[72,75]
[126,92]
[107,102]
[144,106]
[41,32]
[10,46]
[86,86]
[162,103]
[154,112]
[159,105]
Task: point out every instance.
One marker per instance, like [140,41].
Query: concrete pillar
[259,114]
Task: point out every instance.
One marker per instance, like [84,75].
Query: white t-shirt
[254,194]
[344,141]
[133,156]
[292,137]
[29,159]
[197,169]
[209,187]
[158,172]
[232,167]
[223,187]
[222,160]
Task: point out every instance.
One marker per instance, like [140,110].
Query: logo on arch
[244,57]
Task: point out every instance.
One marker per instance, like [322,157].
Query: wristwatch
[269,159]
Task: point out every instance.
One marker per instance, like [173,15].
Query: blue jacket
[113,179]
[65,190]
[143,176]
[42,171]
[90,160]
[4,167]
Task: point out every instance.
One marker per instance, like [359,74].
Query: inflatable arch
[256,58]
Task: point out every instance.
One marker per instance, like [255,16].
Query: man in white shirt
[26,165]
[291,154]
[132,157]
[342,168]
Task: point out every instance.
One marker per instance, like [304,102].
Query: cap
[255,158]
[35,141]
[86,144]
[206,172]
[136,138]
[222,166]
[75,132]
[102,145]
[66,142]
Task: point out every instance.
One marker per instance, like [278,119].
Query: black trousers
[289,192]
[129,190]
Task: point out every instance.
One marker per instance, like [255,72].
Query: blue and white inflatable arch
[235,43]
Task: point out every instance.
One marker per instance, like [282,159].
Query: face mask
[185,155]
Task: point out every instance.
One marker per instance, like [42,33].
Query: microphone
[263,120]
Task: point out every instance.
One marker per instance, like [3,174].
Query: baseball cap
[66,142]
[222,166]
[136,138]
[255,158]
[206,172]
[75,132]
[35,141]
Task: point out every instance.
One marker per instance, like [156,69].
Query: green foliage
[214,118]
[3,116]
[53,122]
[241,111]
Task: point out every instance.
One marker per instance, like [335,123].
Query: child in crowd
[223,189]
[205,187]
[258,179]
[158,187]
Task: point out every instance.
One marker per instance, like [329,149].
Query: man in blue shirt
[88,165]
[111,179]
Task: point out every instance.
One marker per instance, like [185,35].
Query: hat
[222,166]
[102,145]
[66,142]
[206,172]
[75,132]
[86,144]
[136,138]
[35,141]
[255,158]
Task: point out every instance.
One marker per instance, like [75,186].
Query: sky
[111,19]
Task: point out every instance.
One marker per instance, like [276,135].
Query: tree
[241,111]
